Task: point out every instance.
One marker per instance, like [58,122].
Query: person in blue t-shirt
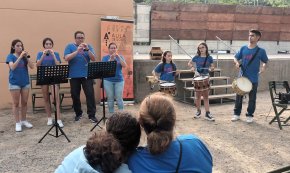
[101,154]
[166,68]
[202,64]
[18,61]
[49,58]
[163,153]
[121,126]
[251,71]
[114,86]
[78,55]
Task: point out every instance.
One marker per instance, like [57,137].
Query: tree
[273,3]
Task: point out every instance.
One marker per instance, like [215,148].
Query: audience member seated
[102,153]
[106,151]
[187,153]
[126,129]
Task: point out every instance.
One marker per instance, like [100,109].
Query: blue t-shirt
[19,76]
[195,158]
[199,61]
[251,71]
[119,76]
[166,73]
[78,66]
[48,60]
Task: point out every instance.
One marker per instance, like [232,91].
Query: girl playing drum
[203,64]
[167,70]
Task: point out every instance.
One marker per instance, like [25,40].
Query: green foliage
[273,3]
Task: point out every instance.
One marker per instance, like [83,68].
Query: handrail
[179,46]
[225,44]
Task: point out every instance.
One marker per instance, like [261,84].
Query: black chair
[285,169]
[276,87]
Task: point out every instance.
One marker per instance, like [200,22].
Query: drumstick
[203,68]
[171,72]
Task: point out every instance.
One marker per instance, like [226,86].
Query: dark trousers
[87,85]
[251,103]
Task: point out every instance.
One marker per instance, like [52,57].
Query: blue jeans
[251,103]
[114,90]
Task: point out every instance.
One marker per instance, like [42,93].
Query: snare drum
[242,86]
[168,87]
[201,83]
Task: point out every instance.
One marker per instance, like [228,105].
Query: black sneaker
[78,117]
[197,114]
[93,119]
[209,116]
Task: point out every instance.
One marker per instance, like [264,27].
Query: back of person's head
[157,117]
[126,129]
[104,151]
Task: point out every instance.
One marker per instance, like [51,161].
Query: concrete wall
[278,69]
[142,19]
[33,20]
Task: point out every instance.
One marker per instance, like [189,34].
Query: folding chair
[275,87]
[36,92]
[64,92]
[285,169]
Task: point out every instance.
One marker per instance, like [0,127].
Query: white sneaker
[59,122]
[49,121]
[249,119]
[18,127]
[26,124]
[235,118]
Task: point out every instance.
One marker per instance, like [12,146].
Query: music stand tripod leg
[104,115]
[55,124]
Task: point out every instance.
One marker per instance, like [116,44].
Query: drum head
[244,84]
[167,84]
[200,78]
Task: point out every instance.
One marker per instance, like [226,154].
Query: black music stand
[101,70]
[51,75]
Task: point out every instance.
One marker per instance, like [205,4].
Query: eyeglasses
[80,38]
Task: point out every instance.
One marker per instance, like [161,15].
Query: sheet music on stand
[49,75]
[99,70]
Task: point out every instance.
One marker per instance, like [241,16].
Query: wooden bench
[64,92]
